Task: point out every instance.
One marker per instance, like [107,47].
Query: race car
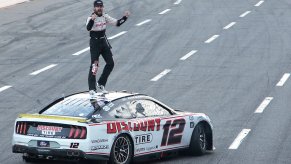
[119,127]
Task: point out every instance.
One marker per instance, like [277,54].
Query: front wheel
[121,151]
[198,141]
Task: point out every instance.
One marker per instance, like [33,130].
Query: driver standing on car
[99,45]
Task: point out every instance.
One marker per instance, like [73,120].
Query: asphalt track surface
[228,78]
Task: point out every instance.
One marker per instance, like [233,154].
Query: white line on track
[143,22]
[283,80]
[188,55]
[156,78]
[211,39]
[259,3]
[264,104]
[229,25]
[238,140]
[82,51]
[244,14]
[117,35]
[4,88]
[43,69]
[165,11]
[177,2]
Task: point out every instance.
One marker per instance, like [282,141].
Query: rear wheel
[198,141]
[28,158]
[121,151]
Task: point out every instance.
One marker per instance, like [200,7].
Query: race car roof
[109,96]
[79,104]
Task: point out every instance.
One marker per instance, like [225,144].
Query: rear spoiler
[52,117]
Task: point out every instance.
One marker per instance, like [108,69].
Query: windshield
[75,107]
[130,108]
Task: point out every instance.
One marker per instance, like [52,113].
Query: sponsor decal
[140,149]
[152,148]
[107,107]
[43,150]
[97,116]
[144,138]
[141,125]
[98,147]
[99,140]
[43,144]
[132,97]
[100,24]
[191,118]
[49,130]
[110,104]
[47,136]
[191,124]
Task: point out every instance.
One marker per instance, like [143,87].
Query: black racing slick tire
[28,159]
[198,142]
[121,151]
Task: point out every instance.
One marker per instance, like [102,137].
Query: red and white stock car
[117,126]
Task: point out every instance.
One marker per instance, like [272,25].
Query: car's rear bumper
[64,154]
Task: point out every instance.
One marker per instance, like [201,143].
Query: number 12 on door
[172,134]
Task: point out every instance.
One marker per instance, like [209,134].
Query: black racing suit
[99,45]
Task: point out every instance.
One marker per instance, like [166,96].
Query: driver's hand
[93,16]
[126,13]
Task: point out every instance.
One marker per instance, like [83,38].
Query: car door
[173,127]
[164,130]
[147,127]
